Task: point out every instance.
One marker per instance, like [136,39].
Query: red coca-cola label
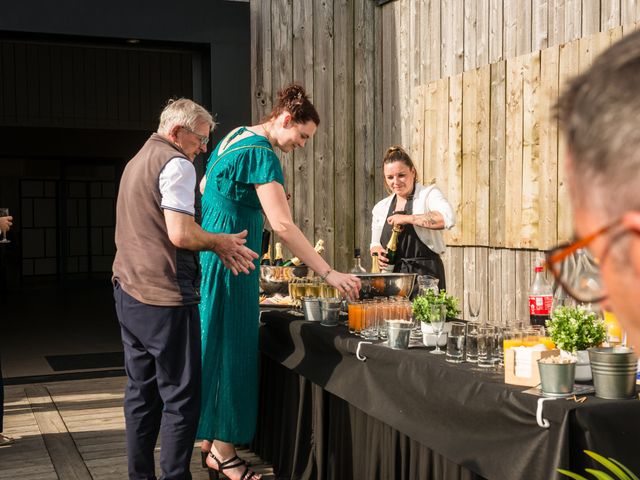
[540,304]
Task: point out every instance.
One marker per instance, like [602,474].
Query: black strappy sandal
[233,462]
[204,455]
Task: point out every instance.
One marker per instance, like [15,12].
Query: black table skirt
[410,415]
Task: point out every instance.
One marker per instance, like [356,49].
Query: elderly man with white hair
[156,279]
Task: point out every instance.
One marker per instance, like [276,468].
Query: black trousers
[162,396]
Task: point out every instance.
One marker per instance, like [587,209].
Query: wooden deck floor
[74,430]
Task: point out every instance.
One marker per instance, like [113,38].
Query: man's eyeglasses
[203,139]
[577,270]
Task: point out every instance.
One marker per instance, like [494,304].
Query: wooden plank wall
[467,86]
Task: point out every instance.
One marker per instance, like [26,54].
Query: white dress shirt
[425,199]
[177,184]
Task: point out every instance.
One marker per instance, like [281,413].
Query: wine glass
[437,316]
[4,212]
[474,301]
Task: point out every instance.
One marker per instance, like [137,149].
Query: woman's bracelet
[323,277]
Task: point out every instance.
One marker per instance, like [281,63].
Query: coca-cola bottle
[540,299]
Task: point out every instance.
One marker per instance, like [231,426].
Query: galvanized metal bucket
[614,372]
[557,378]
[311,309]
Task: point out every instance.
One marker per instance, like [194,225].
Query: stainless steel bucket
[614,372]
[557,378]
[311,309]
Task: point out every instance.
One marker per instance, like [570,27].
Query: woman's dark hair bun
[294,99]
[292,93]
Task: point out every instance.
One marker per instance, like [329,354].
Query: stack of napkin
[524,364]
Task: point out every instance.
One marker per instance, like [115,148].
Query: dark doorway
[73,111]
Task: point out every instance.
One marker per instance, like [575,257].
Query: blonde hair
[185,113]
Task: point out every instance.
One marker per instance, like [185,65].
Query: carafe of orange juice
[614,332]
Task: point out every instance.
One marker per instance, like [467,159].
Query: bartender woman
[420,211]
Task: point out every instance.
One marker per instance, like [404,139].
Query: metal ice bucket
[386,284]
[614,372]
[276,279]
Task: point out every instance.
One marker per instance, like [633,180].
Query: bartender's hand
[383,261]
[348,285]
[400,219]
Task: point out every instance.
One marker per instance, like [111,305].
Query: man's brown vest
[147,265]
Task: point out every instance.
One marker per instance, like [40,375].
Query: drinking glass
[474,301]
[437,317]
[472,342]
[456,343]
[486,346]
[370,323]
[498,352]
[354,310]
[296,292]
[4,212]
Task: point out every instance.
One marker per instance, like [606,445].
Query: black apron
[413,256]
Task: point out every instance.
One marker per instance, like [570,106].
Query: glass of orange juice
[512,338]
[355,312]
[614,332]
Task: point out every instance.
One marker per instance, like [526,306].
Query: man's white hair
[185,113]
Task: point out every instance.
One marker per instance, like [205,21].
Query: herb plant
[576,328]
[423,302]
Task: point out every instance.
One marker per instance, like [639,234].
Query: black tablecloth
[403,413]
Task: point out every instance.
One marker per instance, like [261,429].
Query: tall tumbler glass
[370,323]
[455,343]
[354,310]
[486,346]
[471,342]
[498,353]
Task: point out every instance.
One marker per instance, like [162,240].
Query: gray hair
[185,113]
[598,113]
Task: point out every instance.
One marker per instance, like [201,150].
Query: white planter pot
[583,367]
[429,338]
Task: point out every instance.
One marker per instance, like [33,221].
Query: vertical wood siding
[467,87]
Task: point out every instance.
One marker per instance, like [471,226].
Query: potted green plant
[573,330]
[613,466]
[422,311]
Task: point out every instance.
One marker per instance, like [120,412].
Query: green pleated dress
[229,309]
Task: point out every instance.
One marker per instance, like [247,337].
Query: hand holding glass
[4,212]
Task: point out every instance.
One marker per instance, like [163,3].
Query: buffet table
[408,414]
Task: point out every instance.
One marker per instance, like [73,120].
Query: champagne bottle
[295,261]
[375,266]
[357,262]
[278,260]
[266,258]
[392,248]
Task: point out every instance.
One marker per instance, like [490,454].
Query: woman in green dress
[243,179]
